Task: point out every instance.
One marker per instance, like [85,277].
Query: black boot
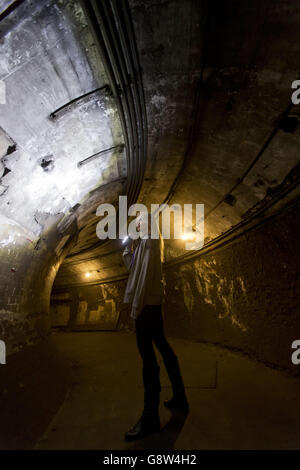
[149,422]
[179,401]
[177,404]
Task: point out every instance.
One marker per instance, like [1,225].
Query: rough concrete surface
[196,95]
[94,395]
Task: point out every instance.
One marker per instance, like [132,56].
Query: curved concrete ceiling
[59,112]
[215,80]
[218,111]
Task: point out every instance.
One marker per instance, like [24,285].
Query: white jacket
[145,281]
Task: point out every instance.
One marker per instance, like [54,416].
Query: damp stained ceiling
[48,60]
[217,87]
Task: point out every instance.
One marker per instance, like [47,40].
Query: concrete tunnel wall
[211,69]
[48,59]
[241,295]
[28,269]
[236,295]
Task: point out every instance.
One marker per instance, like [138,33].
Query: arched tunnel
[165,102]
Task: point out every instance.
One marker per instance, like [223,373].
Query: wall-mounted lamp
[188,236]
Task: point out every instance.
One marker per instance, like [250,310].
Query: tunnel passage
[218,107]
[174,102]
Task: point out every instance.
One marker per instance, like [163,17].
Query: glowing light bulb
[188,236]
[87,274]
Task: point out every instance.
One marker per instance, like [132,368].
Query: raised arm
[127,255]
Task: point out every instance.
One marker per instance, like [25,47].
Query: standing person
[144,291]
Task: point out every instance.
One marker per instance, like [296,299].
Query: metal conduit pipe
[111,45]
[131,60]
[95,28]
[113,32]
[126,87]
[138,73]
[120,59]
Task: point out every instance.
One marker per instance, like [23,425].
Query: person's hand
[130,244]
[134,244]
[127,241]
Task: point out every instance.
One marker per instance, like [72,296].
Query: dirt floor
[84,390]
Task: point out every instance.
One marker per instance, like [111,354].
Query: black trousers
[149,328]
